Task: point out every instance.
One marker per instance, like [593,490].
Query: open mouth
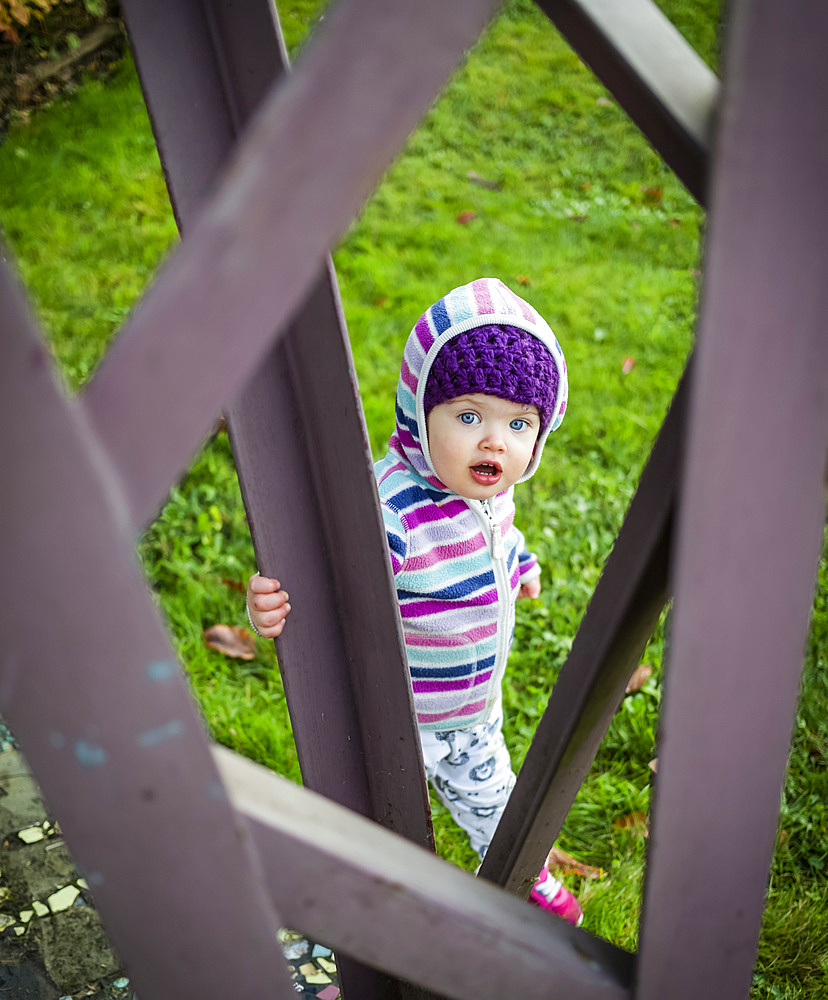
[486,473]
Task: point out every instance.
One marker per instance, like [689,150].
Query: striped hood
[480,303]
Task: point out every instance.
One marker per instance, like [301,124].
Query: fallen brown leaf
[523,280]
[628,365]
[640,676]
[464,218]
[563,863]
[234,585]
[635,823]
[232,640]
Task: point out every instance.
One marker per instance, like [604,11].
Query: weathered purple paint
[359,889]
[618,622]
[653,73]
[90,685]
[751,514]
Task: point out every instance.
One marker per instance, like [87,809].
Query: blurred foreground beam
[90,685]
[363,891]
[315,149]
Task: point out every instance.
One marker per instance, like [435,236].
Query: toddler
[482,385]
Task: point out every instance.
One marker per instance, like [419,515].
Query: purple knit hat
[497,360]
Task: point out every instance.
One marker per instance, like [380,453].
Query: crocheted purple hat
[497,360]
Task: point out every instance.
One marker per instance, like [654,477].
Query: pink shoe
[549,894]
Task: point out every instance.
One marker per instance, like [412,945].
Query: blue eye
[468,418]
[518,424]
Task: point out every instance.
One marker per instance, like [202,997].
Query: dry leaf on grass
[639,678]
[635,823]
[232,640]
[564,864]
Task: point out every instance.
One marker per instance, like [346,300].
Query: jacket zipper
[504,605]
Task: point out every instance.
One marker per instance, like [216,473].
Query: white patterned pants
[472,774]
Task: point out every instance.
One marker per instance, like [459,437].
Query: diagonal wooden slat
[618,622]
[301,383]
[306,478]
[253,255]
[752,512]
[361,890]
[654,74]
[90,685]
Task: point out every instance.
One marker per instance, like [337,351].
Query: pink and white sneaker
[549,894]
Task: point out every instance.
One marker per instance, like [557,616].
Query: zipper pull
[498,552]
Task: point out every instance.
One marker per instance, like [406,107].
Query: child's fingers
[271,623]
[259,584]
[269,602]
[531,589]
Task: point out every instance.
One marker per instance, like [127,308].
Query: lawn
[528,170]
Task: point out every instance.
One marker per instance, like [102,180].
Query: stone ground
[52,943]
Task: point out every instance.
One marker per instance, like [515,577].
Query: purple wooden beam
[91,687]
[343,657]
[751,515]
[254,253]
[306,476]
[363,891]
[281,426]
[653,73]
[616,627]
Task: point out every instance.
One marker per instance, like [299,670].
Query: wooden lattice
[265,174]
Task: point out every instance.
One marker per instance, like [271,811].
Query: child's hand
[530,589]
[267,604]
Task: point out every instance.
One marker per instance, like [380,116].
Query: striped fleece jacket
[458,563]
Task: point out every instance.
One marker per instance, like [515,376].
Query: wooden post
[751,515]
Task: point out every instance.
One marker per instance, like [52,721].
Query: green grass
[587,223]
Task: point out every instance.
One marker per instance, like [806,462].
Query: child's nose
[494,441]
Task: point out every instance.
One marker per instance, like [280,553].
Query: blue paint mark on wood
[89,755]
[152,737]
[161,670]
[217,790]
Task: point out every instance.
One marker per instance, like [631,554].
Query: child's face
[481,445]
